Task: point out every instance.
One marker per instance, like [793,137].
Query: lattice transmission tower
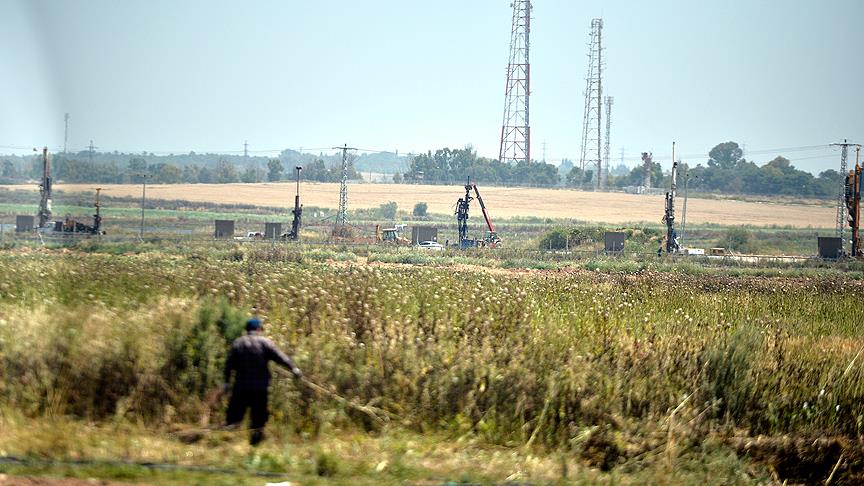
[604,174]
[841,197]
[515,129]
[342,213]
[592,119]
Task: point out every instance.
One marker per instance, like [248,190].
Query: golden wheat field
[502,202]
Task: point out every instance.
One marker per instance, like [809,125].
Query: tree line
[725,171]
[108,170]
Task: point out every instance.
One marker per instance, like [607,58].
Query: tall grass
[543,358]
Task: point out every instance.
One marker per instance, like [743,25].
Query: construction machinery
[491,239]
[390,236]
[671,240]
[69,225]
[44,213]
[853,205]
[294,234]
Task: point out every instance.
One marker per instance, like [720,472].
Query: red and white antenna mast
[515,129]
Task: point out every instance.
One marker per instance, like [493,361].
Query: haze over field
[163,76]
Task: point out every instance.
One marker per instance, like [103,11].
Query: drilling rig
[45,191]
[671,240]
[462,205]
[294,234]
[853,205]
[70,225]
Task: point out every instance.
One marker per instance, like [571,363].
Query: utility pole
[90,152]
[841,197]
[684,209]
[65,131]
[544,151]
[143,199]
[603,172]
[245,149]
[592,116]
[515,129]
[341,215]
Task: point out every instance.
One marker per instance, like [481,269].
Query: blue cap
[253,323]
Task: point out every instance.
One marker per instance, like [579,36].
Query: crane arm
[483,207]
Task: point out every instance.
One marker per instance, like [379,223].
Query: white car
[430,245]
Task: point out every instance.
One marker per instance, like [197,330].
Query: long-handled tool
[380,416]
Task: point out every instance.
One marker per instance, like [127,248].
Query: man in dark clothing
[248,361]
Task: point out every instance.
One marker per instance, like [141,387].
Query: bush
[739,240]
[563,238]
[420,209]
[387,210]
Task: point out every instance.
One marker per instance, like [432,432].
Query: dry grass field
[613,208]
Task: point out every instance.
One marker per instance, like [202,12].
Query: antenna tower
[515,129]
[90,150]
[591,120]
[341,216]
[604,174]
[65,131]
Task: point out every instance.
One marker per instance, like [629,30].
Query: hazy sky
[175,76]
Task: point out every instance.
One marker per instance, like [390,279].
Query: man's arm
[229,366]
[276,354]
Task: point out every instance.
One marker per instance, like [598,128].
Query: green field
[184,219]
[479,369]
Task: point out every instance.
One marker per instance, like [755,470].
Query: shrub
[420,209]
[387,210]
[739,240]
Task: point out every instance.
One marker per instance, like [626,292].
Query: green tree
[274,170]
[578,177]
[190,173]
[205,176]
[725,155]
[169,174]
[225,173]
[739,240]
[9,170]
[136,168]
[387,210]
[420,209]
[249,175]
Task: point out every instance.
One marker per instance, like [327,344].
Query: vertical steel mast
[515,129]
[841,197]
[592,116]
[604,171]
[342,214]
[45,191]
